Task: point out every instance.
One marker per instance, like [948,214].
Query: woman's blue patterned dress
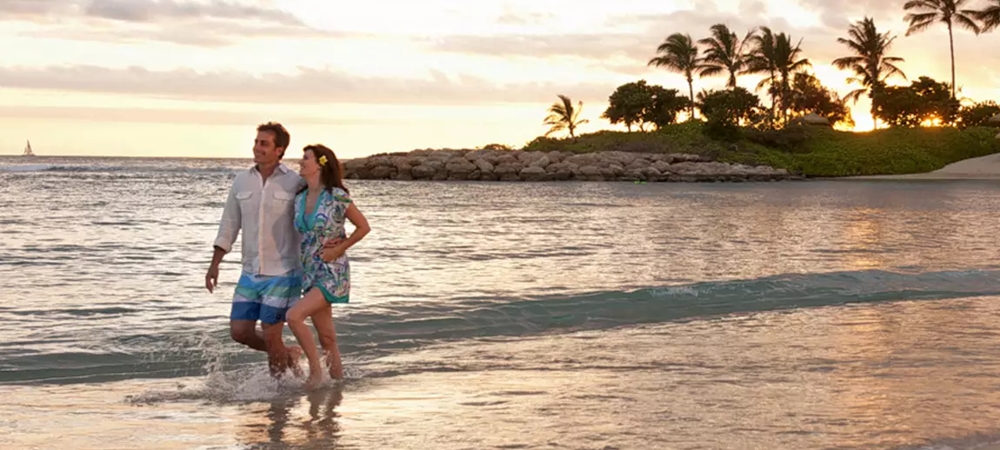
[326,222]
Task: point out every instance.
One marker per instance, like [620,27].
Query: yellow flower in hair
[322,160]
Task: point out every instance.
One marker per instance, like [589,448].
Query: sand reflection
[307,422]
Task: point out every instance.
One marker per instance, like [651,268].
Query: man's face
[264,151]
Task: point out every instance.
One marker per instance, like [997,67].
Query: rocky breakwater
[513,165]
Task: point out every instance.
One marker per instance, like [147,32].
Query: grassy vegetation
[809,151]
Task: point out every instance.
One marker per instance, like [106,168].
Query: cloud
[21,9]
[645,33]
[162,115]
[149,11]
[218,34]
[511,18]
[184,22]
[627,41]
[308,86]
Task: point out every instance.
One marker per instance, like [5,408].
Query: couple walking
[294,252]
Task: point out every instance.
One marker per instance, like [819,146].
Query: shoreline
[528,166]
[981,168]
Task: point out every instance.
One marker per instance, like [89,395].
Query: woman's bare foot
[336,370]
[294,356]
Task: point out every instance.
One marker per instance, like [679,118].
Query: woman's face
[308,167]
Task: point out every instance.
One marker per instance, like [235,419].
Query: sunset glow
[192,78]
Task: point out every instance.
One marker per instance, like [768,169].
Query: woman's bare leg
[307,306]
[323,321]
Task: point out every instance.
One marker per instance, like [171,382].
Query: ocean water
[820,315]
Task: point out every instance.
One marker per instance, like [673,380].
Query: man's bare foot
[314,381]
[294,356]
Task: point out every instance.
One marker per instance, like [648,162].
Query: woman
[321,209]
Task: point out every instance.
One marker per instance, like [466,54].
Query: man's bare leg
[280,358]
[245,332]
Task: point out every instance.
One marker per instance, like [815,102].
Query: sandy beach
[982,168]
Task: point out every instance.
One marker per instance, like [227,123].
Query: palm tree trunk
[786,91]
[774,102]
[951,41]
[691,91]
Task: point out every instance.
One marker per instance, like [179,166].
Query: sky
[195,77]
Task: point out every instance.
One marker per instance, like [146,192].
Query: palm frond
[966,21]
[920,22]
[989,16]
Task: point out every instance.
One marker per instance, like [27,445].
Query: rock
[440,175]
[632,175]
[561,175]
[591,173]
[582,160]
[476,154]
[459,168]
[383,172]
[562,171]
[637,164]
[533,173]
[620,158]
[683,157]
[662,166]
[542,162]
[508,165]
[403,166]
[507,172]
[527,158]
[994,122]
[378,161]
[555,157]
[488,176]
[506,159]
[650,173]
[423,172]
[484,165]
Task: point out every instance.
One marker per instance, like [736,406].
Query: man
[261,203]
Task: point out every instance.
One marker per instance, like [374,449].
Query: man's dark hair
[281,136]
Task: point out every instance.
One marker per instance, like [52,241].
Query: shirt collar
[282,168]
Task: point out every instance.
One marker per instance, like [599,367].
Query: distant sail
[27,150]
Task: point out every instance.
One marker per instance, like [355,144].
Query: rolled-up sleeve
[229,226]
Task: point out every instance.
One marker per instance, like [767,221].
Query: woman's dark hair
[331,174]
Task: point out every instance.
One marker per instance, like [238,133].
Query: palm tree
[563,116]
[761,60]
[948,12]
[989,16]
[725,53]
[787,64]
[869,63]
[775,55]
[680,54]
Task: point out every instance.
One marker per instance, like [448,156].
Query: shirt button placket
[260,225]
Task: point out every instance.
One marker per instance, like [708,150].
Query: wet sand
[911,375]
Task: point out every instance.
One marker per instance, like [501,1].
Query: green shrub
[808,150]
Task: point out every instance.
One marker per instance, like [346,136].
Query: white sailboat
[27,150]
